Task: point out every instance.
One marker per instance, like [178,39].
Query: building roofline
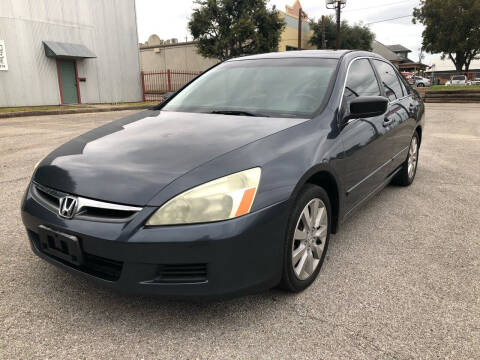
[146,47]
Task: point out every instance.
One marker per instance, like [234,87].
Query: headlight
[220,199]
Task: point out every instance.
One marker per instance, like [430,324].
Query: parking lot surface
[401,279]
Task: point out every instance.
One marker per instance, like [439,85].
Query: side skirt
[372,193]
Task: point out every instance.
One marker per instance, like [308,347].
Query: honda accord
[235,182]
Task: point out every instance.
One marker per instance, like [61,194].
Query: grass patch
[138,103]
[36,108]
[450,88]
[74,107]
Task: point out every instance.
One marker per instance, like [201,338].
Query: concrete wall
[106,27]
[181,56]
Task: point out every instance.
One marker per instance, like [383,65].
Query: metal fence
[156,83]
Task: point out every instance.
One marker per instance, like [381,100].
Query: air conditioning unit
[157,50]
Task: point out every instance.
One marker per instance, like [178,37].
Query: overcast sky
[168,19]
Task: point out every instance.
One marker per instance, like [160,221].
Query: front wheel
[409,168]
[307,238]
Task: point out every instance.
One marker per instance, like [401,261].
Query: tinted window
[294,87]
[459,78]
[361,81]
[390,81]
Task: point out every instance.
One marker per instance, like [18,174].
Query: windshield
[267,87]
[459,78]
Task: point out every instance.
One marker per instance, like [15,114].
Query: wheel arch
[324,177]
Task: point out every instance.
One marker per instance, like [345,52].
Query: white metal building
[68,51]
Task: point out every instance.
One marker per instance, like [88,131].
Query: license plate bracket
[58,244]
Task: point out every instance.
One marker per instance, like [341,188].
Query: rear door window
[390,81]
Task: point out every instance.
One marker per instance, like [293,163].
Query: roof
[398,48]
[185,43]
[335,54]
[383,50]
[67,50]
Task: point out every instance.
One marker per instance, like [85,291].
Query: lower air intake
[181,273]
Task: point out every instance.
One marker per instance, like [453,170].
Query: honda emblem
[68,206]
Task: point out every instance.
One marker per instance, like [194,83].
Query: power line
[395,18]
[379,6]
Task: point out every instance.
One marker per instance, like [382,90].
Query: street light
[338,5]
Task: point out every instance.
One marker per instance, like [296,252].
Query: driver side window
[361,81]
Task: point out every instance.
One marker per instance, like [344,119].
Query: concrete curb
[452,96]
[71,111]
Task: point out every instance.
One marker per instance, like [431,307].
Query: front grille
[87,209]
[52,200]
[181,273]
[98,266]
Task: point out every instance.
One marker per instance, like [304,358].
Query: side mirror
[366,107]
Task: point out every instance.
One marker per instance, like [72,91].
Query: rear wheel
[409,168]
[421,85]
[307,238]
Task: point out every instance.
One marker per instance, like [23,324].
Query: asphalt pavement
[401,279]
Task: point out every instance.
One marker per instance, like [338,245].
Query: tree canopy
[231,28]
[452,27]
[357,37]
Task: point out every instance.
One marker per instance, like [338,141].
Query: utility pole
[299,47]
[324,42]
[338,5]
[339,34]
[301,14]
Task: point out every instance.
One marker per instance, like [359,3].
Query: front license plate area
[60,245]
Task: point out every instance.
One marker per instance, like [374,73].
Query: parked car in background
[458,80]
[409,77]
[421,81]
[234,183]
[476,81]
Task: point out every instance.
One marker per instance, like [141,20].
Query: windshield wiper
[236,112]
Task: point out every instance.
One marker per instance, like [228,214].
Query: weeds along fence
[156,83]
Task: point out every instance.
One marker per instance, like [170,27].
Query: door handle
[387,121]
[412,108]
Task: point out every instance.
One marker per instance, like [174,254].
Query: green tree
[231,28]
[452,28]
[357,36]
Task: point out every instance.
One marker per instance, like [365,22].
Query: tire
[309,246]
[405,177]
[421,85]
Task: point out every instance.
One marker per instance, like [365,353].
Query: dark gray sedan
[235,183]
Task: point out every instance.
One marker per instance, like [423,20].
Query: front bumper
[224,258]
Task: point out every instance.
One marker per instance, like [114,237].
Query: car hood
[130,160]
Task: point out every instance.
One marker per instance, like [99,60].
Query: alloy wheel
[412,158]
[309,239]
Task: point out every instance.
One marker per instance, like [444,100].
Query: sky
[169,18]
